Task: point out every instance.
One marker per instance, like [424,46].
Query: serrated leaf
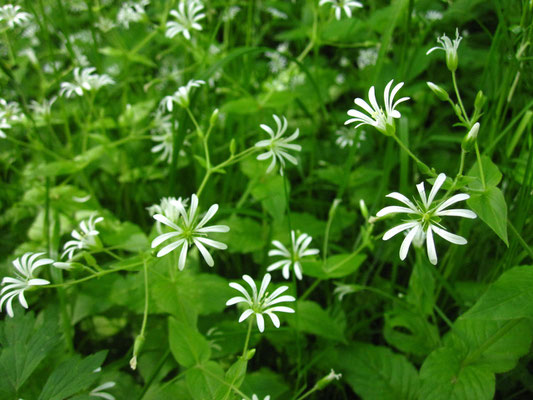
[71,377]
[314,320]
[491,207]
[509,297]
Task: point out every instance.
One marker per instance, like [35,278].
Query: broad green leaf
[204,380]
[336,266]
[265,382]
[126,236]
[499,344]
[270,192]
[23,347]
[375,372]
[245,236]
[491,207]
[234,377]
[491,173]
[421,286]
[71,377]
[170,390]
[311,318]
[509,297]
[187,345]
[444,377]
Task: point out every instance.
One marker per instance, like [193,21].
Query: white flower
[11,15]
[104,24]
[43,110]
[340,5]
[25,278]
[426,218]
[188,231]
[343,289]
[131,12]
[450,48]
[367,57]
[180,96]
[230,13]
[3,125]
[277,61]
[84,79]
[433,15]
[187,15]
[278,146]
[381,120]
[169,207]
[299,250]
[254,397]
[276,13]
[84,239]
[345,137]
[10,110]
[99,391]
[165,144]
[261,303]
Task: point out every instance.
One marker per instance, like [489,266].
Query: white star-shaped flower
[293,257]
[342,5]
[85,238]
[25,267]
[187,230]
[426,218]
[261,302]
[12,16]
[187,16]
[277,145]
[382,120]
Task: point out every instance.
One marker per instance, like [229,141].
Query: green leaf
[245,105]
[491,207]
[245,236]
[509,297]
[444,377]
[126,236]
[187,345]
[270,192]
[491,173]
[234,377]
[204,380]
[71,377]
[336,266]
[23,348]
[314,320]
[265,382]
[375,372]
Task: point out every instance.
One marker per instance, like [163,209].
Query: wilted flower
[180,96]
[187,15]
[325,381]
[426,218]
[25,278]
[261,303]
[99,391]
[278,146]
[188,231]
[450,48]
[169,207]
[12,16]
[131,11]
[383,121]
[299,249]
[84,79]
[340,5]
[84,239]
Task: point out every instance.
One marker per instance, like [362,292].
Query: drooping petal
[404,248]
[260,321]
[245,314]
[430,245]
[205,254]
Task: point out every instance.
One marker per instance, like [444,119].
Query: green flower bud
[470,138]
[480,100]
[363,208]
[250,354]
[439,92]
[137,347]
[325,381]
[214,117]
[232,147]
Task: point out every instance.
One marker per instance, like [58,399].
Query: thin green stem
[146,298]
[310,289]
[287,202]
[456,88]
[247,340]
[520,239]
[480,166]
[419,162]
[308,393]
[9,48]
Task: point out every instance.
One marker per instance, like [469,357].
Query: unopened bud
[214,117]
[232,147]
[362,207]
[470,139]
[457,110]
[480,100]
[250,354]
[325,381]
[137,347]
[439,92]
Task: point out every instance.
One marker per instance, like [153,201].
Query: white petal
[457,213]
[240,288]
[161,238]
[183,256]
[274,318]
[450,237]
[400,197]
[436,186]
[245,315]
[430,245]
[205,254]
[393,210]
[397,229]
[404,248]
[260,322]
[452,200]
[235,300]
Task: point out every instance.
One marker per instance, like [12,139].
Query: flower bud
[480,100]
[439,92]
[232,147]
[470,139]
[250,354]
[452,60]
[137,347]
[363,208]
[214,117]
[325,381]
